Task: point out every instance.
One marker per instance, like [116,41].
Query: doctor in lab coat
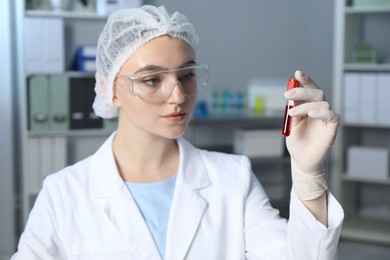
[149,194]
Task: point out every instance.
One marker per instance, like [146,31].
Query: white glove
[313,131]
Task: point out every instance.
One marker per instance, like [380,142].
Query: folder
[383,104]
[33,45]
[33,170]
[77,99]
[38,99]
[82,95]
[45,158]
[352,97]
[44,45]
[59,153]
[59,102]
[53,45]
[368,98]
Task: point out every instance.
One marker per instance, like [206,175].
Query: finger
[305,108]
[308,94]
[305,80]
[326,115]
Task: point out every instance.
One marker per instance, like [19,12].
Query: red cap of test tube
[292,83]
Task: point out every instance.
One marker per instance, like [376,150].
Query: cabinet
[364,198]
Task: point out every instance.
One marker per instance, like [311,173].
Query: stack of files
[45,155]
[366,96]
[59,102]
[82,95]
[48,102]
[38,103]
[44,45]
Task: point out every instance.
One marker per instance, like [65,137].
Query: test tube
[286,129]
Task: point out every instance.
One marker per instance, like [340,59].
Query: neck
[145,158]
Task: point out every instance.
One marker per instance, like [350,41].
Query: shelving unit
[70,146]
[354,23]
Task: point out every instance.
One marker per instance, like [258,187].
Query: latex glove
[313,131]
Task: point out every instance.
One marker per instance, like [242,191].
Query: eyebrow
[155,67]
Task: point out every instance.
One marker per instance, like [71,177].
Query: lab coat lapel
[119,206]
[188,206]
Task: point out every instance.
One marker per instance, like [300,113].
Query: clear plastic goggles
[156,86]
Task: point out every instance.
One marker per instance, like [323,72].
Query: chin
[175,134]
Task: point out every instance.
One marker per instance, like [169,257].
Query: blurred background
[252,48]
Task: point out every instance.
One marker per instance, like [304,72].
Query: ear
[115,96]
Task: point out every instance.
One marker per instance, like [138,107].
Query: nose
[177,95]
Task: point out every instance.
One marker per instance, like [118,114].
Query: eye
[151,81]
[188,75]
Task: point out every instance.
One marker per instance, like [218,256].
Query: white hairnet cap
[125,32]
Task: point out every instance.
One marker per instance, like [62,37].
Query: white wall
[7,236]
[261,38]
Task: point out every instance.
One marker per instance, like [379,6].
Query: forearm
[319,208]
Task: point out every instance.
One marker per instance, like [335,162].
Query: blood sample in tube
[286,129]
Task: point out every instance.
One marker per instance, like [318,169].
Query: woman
[149,194]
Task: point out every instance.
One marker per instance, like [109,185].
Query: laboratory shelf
[71,133]
[367,180]
[369,25]
[240,120]
[367,67]
[367,9]
[366,230]
[65,14]
[365,125]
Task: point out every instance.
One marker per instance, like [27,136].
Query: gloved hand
[313,131]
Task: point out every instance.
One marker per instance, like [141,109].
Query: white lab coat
[219,212]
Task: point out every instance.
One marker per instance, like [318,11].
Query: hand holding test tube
[313,131]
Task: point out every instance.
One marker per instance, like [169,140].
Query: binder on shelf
[59,102]
[33,169]
[383,105]
[82,96]
[44,45]
[34,61]
[77,99]
[53,45]
[368,98]
[45,158]
[38,96]
[59,153]
[46,155]
[352,97]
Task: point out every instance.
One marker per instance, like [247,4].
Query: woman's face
[169,118]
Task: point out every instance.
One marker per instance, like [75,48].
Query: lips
[175,116]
